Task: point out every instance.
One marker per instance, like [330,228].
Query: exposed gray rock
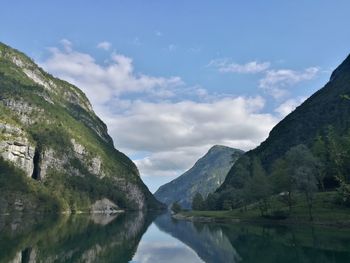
[23,110]
[78,148]
[93,164]
[37,75]
[16,148]
[49,159]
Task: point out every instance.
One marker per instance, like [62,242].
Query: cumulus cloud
[170,133]
[102,83]
[225,66]
[176,134]
[276,82]
[104,45]
[288,106]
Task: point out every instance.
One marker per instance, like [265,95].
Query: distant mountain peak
[204,177]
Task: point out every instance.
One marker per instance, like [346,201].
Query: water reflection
[156,246]
[132,237]
[79,238]
[211,244]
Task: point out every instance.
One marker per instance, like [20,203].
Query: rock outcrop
[16,148]
[49,131]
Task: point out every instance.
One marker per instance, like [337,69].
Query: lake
[136,237]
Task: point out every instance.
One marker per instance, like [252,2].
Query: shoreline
[286,222]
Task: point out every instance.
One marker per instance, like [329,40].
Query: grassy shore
[325,211]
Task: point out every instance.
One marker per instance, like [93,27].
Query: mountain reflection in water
[137,237]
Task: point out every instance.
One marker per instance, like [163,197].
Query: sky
[173,78]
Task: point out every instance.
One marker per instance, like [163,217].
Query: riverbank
[325,212]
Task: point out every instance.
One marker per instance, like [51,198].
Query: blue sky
[172,78]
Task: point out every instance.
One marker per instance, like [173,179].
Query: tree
[282,182]
[227,205]
[303,168]
[198,202]
[319,150]
[258,187]
[176,207]
[211,202]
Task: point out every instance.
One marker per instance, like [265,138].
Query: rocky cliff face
[204,177]
[50,133]
[15,147]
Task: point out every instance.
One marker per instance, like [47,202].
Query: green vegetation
[15,186]
[325,211]
[198,202]
[72,238]
[53,115]
[306,155]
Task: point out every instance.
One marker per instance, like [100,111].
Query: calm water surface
[136,237]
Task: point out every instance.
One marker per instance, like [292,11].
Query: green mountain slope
[204,177]
[55,153]
[321,123]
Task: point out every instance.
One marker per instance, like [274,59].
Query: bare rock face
[16,148]
[38,76]
[19,153]
[92,162]
[49,159]
[23,110]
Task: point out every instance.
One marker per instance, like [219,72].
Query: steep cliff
[57,145]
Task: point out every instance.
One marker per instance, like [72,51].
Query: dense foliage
[307,152]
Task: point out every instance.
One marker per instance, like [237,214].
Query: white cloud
[276,82]
[288,106]
[176,134]
[223,65]
[104,45]
[171,132]
[102,83]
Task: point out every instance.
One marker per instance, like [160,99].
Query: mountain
[204,177]
[55,153]
[321,123]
